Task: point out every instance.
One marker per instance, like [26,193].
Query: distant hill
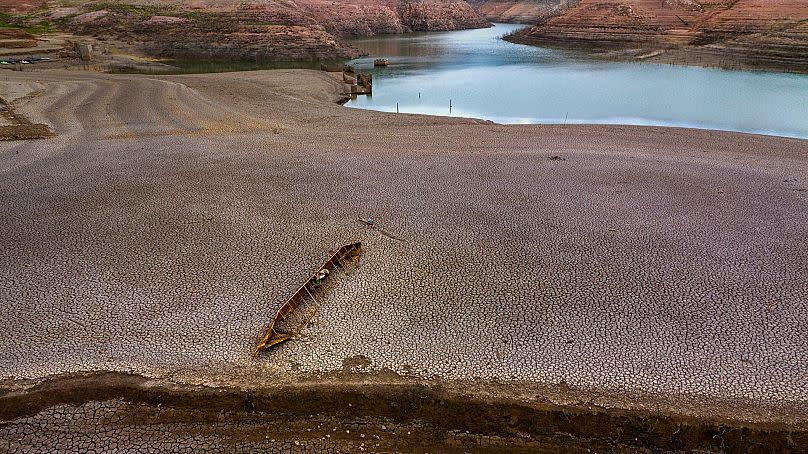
[521,11]
[765,34]
[239,30]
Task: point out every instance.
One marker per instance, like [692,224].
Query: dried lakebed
[645,272]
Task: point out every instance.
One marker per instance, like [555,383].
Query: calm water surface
[486,77]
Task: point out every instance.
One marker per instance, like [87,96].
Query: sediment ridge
[113,410]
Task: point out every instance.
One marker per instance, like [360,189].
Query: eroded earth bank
[525,288]
[738,34]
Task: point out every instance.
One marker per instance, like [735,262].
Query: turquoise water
[486,77]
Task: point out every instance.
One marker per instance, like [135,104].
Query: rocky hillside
[258,30]
[435,15]
[767,34]
[20,5]
[368,17]
[521,11]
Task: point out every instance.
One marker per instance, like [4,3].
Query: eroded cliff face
[370,17]
[731,33]
[436,15]
[262,30]
[521,11]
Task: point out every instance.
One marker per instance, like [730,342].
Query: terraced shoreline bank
[348,413]
[746,58]
[740,34]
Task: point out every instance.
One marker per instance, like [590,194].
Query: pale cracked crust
[161,227]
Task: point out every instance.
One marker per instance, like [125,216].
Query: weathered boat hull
[272,336]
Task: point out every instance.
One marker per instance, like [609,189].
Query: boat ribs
[273,335]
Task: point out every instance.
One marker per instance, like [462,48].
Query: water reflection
[486,77]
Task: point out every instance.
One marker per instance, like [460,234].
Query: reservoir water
[486,77]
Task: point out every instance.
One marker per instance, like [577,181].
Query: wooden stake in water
[450,106]
[396,107]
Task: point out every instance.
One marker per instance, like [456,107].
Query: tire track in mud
[114,107]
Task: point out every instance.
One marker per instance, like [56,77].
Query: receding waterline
[485,77]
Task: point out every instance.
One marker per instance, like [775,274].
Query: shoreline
[28,397]
[680,89]
[688,56]
[684,127]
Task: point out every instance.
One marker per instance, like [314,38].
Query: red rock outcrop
[370,17]
[265,30]
[20,5]
[769,34]
[438,15]
[521,11]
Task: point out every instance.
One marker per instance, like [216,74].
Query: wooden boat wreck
[381,62]
[317,283]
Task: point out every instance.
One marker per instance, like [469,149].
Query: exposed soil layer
[14,126]
[128,411]
[747,34]
[521,11]
[11,38]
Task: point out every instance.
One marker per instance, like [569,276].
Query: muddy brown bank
[345,414]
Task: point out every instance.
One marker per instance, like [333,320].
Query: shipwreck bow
[316,284]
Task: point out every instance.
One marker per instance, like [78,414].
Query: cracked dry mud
[650,274]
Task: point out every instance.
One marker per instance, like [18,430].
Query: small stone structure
[361,84]
[85,51]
